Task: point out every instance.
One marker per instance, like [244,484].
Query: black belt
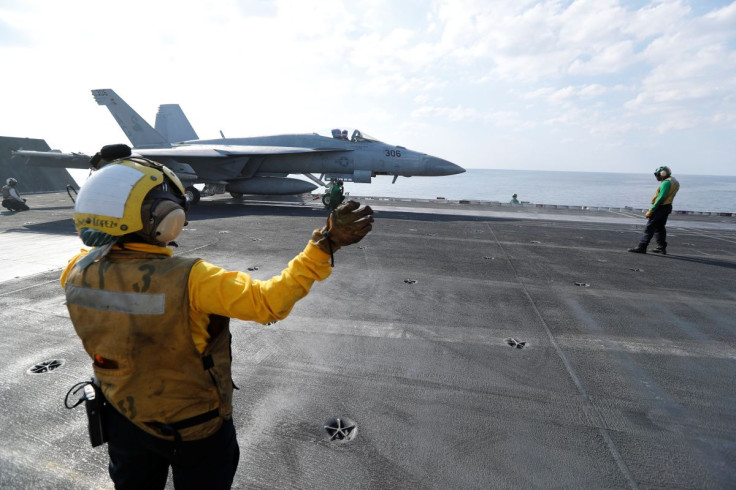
[173,428]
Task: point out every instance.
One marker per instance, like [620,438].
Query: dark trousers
[139,460]
[15,205]
[656,227]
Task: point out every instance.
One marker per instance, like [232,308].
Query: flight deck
[459,345]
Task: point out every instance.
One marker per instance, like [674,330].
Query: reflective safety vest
[131,311]
[674,187]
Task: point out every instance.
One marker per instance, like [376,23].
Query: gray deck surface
[626,379]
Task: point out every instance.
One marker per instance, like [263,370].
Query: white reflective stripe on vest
[132,303]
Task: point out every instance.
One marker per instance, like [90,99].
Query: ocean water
[697,192]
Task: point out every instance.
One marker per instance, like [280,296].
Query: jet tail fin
[138,131]
[173,125]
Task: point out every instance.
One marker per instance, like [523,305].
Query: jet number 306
[393,153]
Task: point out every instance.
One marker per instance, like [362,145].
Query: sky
[584,85]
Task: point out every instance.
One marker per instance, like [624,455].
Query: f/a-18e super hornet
[255,165]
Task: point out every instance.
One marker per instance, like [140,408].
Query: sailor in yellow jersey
[156,327]
[658,213]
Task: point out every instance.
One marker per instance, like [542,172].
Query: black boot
[660,250]
[638,250]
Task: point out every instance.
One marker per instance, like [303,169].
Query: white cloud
[530,70]
[693,72]
[609,59]
[458,113]
[568,94]
[724,119]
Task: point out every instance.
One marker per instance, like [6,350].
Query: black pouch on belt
[94,402]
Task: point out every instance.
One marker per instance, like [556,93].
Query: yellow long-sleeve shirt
[216,291]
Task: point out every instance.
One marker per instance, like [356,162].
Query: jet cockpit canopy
[357,136]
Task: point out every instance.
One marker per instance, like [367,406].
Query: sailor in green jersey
[336,194]
[658,212]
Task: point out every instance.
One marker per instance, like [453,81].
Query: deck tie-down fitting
[341,429]
[515,343]
[46,366]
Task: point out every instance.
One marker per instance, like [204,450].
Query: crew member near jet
[336,194]
[514,199]
[156,326]
[658,212]
[11,198]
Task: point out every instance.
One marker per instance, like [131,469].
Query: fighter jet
[254,165]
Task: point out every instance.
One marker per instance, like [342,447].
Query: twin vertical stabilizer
[173,125]
[138,131]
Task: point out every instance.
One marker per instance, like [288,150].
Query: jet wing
[226,151]
[54,158]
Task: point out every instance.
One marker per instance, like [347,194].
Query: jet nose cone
[438,166]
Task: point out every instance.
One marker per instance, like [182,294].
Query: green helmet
[662,172]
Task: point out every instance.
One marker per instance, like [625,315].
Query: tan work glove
[648,214]
[346,225]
